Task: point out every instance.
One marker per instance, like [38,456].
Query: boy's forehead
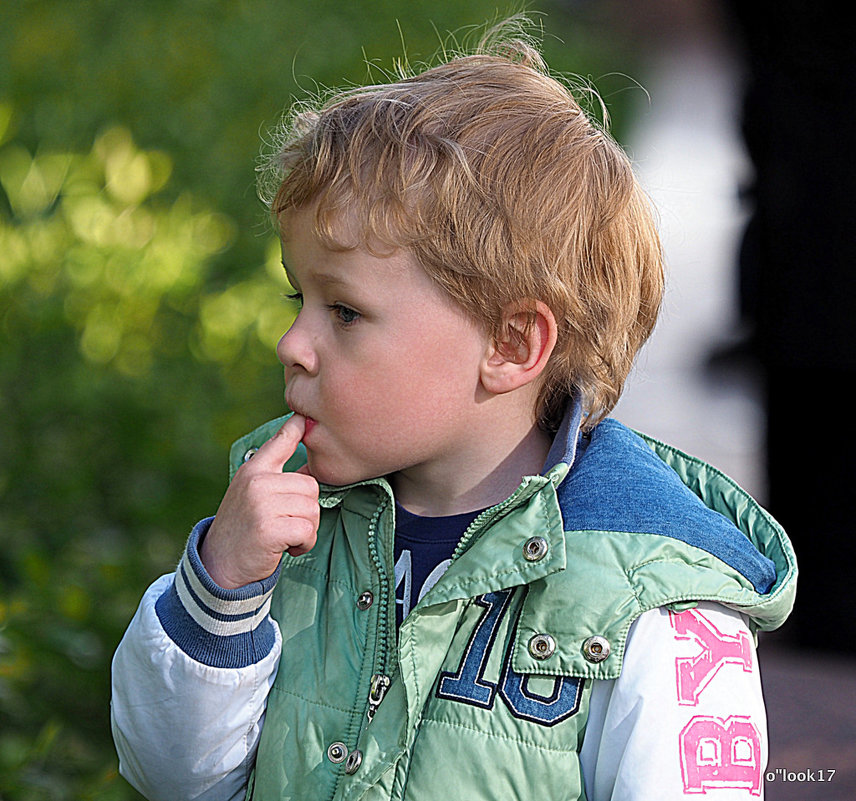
[292,223]
[343,244]
[341,226]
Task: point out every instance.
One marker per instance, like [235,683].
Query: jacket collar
[533,510]
[564,447]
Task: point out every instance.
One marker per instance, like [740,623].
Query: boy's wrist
[215,596]
[216,626]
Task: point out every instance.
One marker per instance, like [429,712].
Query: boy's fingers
[281,446]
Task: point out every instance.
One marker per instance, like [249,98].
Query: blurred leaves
[140,305]
[111,338]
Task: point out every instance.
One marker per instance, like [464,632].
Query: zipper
[487,516]
[380,680]
[377,691]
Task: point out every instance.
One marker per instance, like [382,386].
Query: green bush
[119,368]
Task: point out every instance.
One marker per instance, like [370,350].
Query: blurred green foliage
[140,304]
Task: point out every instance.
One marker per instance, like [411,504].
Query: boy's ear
[521,349]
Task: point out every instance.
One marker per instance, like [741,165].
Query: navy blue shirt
[423,550]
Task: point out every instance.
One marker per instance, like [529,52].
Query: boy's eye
[344,314]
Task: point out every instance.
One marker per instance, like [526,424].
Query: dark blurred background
[141,300]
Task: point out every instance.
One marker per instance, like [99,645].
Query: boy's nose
[294,350]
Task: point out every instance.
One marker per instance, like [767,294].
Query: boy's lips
[310,422]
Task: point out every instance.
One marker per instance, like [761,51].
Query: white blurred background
[690,158]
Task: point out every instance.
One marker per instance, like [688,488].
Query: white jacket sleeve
[685,716]
[190,683]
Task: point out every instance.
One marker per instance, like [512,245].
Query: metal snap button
[355,759]
[250,453]
[535,549]
[365,600]
[596,649]
[337,752]
[542,646]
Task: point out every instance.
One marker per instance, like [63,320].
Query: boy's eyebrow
[321,278]
[327,278]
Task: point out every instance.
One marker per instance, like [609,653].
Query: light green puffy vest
[484,691]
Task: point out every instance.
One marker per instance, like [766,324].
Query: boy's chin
[335,475]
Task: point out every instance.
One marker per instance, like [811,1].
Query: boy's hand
[263,513]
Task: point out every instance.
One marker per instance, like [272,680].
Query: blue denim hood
[619,481]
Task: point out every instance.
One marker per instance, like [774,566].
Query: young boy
[446,574]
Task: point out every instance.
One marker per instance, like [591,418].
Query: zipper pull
[377,690]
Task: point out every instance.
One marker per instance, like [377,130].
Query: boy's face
[384,366]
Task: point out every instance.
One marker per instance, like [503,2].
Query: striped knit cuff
[217,627]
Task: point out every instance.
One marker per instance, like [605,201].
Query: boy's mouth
[309,421]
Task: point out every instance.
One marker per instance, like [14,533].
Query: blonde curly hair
[489,171]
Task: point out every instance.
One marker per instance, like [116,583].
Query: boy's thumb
[281,446]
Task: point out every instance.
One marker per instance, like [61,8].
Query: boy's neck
[481,476]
